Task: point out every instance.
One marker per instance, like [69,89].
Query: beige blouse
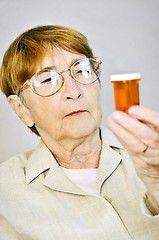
[38,201]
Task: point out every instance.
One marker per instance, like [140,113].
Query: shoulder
[14,170]
[13,167]
[16,160]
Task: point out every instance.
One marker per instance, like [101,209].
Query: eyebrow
[54,67]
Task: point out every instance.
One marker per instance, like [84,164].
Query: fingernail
[133,110]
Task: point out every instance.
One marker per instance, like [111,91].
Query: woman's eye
[48,80]
[83,71]
[79,71]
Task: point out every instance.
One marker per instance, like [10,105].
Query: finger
[145,115]
[127,139]
[144,133]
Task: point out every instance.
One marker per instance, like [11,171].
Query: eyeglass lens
[48,81]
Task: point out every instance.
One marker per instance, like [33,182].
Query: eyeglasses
[48,81]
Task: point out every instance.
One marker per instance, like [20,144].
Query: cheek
[95,96]
[42,110]
[94,99]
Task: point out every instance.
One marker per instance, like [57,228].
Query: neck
[77,153]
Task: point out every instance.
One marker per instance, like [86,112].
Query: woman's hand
[138,132]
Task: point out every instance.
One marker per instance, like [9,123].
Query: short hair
[26,52]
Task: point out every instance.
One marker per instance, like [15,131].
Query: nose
[71,88]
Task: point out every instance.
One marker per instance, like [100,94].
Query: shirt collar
[42,160]
[110,156]
[43,163]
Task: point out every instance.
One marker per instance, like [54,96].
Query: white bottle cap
[125,76]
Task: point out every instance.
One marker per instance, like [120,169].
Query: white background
[123,33]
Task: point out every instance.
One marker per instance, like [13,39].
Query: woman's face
[74,111]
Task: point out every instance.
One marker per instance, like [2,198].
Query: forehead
[58,58]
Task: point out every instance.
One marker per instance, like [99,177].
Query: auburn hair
[27,51]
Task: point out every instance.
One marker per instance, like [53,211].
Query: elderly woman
[79,183]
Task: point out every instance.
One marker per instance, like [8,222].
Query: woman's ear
[19,108]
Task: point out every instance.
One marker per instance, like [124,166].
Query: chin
[83,130]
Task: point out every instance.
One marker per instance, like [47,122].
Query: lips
[75,113]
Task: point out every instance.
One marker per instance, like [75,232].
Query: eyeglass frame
[28,83]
